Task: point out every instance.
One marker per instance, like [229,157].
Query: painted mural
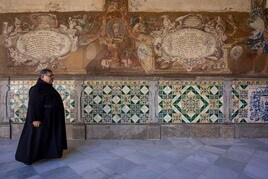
[121,41]
[256,42]
[191,43]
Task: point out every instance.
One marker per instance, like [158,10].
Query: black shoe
[27,163]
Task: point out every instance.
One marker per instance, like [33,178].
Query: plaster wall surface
[190,5]
[48,5]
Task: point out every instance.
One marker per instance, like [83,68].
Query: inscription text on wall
[40,44]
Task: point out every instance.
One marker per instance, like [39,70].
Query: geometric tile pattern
[249,101]
[116,101]
[67,90]
[190,101]
[19,95]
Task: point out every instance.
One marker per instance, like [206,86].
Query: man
[44,133]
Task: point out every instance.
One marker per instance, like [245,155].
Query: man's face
[116,28]
[48,78]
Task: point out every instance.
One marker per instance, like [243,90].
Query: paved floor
[171,158]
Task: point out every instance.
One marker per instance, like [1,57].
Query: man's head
[116,27]
[46,75]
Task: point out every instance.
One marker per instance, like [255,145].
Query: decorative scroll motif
[40,43]
[191,44]
[190,101]
[233,24]
[249,101]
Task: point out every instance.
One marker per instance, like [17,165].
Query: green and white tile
[190,101]
[19,98]
[116,101]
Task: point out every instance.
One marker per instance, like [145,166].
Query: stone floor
[170,158]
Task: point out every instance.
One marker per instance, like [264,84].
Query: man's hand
[36,123]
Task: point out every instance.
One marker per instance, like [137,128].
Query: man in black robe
[44,132]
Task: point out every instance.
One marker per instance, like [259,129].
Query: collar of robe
[43,83]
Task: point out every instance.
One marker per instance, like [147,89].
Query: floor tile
[61,172]
[23,172]
[84,165]
[236,156]
[204,156]
[97,173]
[219,173]
[138,157]
[140,173]
[255,172]
[120,165]
[162,159]
[47,165]
[230,164]
[194,165]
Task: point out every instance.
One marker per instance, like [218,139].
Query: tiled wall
[19,90]
[116,101]
[190,101]
[249,101]
[132,102]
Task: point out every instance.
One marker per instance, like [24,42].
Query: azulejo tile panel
[19,90]
[190,101]
[249,101]
[116,101]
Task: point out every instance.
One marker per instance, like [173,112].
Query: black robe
[48,140]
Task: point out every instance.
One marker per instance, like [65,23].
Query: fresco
[191,44]
[254,45]
[122,40]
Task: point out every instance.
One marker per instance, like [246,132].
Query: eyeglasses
[50,76]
